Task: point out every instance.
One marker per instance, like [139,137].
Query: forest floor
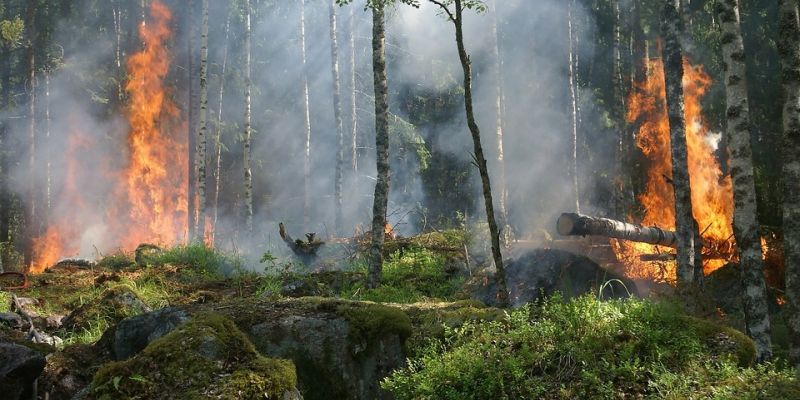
[419,335]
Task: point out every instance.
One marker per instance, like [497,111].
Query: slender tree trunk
[621,178]
[218,137]
[192,165]
[745,224]
[306,121]
[573,94]
[337,112]
[48,165]
[202,131]
[5,194]
[499,107]
[248,131]
[789,49]
[381,198]
[116,9]
[688,236]
[31,220]
[353,110]
[457,18]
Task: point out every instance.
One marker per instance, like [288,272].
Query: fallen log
[571,224]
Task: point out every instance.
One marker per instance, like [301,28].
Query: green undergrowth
[585,348]
[411,275]
[208,357]
[5,301]
[201,260]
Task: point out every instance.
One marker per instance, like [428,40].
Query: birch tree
[688,235]
[351,33]
[789,50]
[248,129]
[218,136]
[306,120]
[499,109]
[31,223]
[191,195]
[573,98]
[745,224]
[337,112]
[202,130]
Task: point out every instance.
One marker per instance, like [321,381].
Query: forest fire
[147,197]
[712,196]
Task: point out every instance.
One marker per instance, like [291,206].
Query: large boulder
[540,273]
[20,366]
[206,357]
[132,335]
[342,349]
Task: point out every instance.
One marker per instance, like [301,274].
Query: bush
[585,348]
[409,276]
[202,260]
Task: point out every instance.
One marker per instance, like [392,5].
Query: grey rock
[133,334]
[329,364]
[12,320]
[540,273]
[19,369]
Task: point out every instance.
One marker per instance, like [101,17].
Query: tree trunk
[202,131]
[582,225]
[5,194]
[116,10]
[218,137]
[500,275]
[337,112]
[192,136]
[248,131]
[573,95]
[745,224]
[31,220]
[622,184]
[688,236]
[789,49]
[381,198]
[499,108]
[306,121]
[353,110]
[48,165]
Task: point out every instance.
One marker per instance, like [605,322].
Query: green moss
[723,339]
[371,321]
[206,357]
[5,301]
[431,320]
[116,262]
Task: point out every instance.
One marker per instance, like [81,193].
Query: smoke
[423,61]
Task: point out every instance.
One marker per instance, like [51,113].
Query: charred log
[304,249]
[571,224]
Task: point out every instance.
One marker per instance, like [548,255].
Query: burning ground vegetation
[191,322]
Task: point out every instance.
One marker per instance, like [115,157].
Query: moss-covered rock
[208,357]
[115,304]
[722,340]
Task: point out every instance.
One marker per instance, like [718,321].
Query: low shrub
[585,348]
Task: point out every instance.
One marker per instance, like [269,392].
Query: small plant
[586,348]
[202,260]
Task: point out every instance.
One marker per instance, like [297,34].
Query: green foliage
[5,301]
[585,348]
[116,262]
[408,276]
[11,31]
[208,357]
[202,260]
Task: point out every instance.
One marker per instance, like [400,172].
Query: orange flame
[155,180]
[712,196]
[148,202]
